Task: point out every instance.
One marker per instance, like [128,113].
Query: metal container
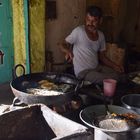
[89,114]
[20,85]
[24,122]
[131,101]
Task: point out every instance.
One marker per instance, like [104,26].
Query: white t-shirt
[85,50]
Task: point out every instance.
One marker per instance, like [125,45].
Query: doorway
[6,46]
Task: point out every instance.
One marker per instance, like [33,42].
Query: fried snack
[136,79]
[43,92]
[45,84]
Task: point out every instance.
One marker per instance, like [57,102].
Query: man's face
[91,23]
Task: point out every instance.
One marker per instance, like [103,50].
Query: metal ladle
[105,102]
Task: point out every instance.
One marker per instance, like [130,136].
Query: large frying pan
[20,85]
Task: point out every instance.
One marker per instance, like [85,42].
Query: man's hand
[66,48]
[69,56]
[108,62]
[118,68]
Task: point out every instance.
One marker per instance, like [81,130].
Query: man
[89,49]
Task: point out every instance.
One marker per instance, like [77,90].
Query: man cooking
[89,47]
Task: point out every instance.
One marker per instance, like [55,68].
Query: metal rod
[104,98]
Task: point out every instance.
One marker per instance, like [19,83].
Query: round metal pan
[20,85]
[90,114]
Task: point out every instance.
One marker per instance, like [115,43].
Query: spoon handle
[105,102]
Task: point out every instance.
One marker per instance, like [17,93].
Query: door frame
[26,18]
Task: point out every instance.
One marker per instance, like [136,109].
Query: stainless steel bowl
[92,113]
[131,101]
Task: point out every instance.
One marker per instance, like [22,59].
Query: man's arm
[66,48]
[109,63]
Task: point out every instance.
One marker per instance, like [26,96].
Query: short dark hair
[94,11]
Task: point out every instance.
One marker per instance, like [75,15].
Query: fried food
[136,79]
[124,121]
[45,84]
[47,88]
[43,92]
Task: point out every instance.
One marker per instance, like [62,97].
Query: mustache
[91,26]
